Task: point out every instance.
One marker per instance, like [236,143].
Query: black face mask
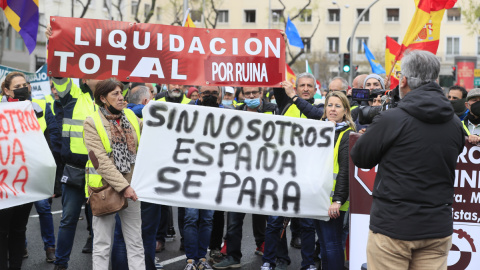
[112,110]
[21,93]
[475,109]
[210,101]
[458,106]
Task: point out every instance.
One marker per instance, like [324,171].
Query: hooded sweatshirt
[416,146]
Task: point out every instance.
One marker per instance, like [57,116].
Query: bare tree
[148,13]
[118,6]
[177,11]
[85,7]
[293,57]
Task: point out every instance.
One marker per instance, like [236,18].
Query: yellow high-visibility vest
[336,168]
[43,104]
[92,178]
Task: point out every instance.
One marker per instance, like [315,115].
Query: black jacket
[305,106]
[342,185]
[416,146]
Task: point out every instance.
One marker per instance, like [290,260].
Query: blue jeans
[331,246]
[44,211]
[72,201]
[274,246]
[197,231]
[150,222]
[308,228]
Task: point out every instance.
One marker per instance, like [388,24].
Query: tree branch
[302,51]
[150,13]
[136,11]
[301,10]
[85,7]
[119,9]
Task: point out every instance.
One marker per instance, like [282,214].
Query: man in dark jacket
[416,146]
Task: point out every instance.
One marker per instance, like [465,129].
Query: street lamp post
[350,78]
[339,32]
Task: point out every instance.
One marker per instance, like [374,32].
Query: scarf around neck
[122,140]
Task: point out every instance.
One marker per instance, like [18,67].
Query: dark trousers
[217,230]
[164,223]
[13,225]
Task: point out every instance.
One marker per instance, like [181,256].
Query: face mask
[112,110]
[21,93]
[475,109]
[227,102]
[458,106]
[252,103]
[210,101]
[164,88]
[274,101]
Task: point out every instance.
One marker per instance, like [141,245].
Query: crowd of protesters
[97,126]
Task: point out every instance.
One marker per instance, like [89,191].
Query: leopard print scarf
[122,141]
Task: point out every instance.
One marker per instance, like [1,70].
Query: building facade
[325,26]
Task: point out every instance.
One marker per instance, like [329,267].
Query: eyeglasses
[208,93]
[254,93]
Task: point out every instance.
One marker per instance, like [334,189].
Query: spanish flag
[423,33]
[189,22]
[23,16]
[391,51]
[290,74]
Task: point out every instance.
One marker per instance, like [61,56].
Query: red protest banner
[142,52]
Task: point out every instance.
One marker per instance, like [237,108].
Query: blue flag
[292,34]
[376,66]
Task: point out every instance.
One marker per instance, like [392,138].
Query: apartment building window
[306,15]
[222,16]
[250,16]
[366,16]
[394,38]
[134,7]
[334,15]
[454,15]
[333,45]
[19,45]
[277,16]
[146,10]
[393,14]
[360,41]
[306,44]
[453,46]
[196,15]
[159,13]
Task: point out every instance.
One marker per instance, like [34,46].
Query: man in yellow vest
[254,102]
[77,103]
[299,102]
[174,94]
[292,102]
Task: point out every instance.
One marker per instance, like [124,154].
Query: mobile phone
[359,94]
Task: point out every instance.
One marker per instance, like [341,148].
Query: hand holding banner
[28,168]
[211,158]
[141,52]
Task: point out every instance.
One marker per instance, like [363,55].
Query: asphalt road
[172,258]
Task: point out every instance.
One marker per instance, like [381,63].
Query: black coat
[342,185]
[305,106]
[416,146]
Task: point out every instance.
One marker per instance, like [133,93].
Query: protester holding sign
[14,219]
[111,136]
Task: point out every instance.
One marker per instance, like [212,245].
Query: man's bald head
[358,81]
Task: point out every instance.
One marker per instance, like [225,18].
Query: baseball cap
[229,89]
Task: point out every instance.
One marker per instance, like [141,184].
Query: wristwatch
[339,202]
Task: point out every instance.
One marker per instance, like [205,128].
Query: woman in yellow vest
[337,110]
[111,136]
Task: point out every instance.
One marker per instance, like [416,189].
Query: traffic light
[355,70]
[346,62]
[454,72]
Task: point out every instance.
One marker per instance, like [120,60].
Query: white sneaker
[266,266]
